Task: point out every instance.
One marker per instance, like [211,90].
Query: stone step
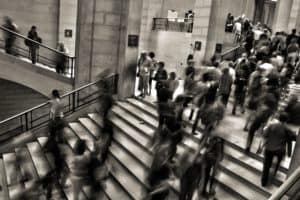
[190,143]
[110,186]
[236,142]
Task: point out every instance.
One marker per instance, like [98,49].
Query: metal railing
[173,24]
[233,54]
[47,57]
[290,189]
[39,116]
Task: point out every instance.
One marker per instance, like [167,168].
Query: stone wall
[42,13]
[179,5]
[67,20]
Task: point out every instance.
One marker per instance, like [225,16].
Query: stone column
[67,20]
[281,19]
[103,27]
[294,15]
[150,10]
[130,25]
[202,11]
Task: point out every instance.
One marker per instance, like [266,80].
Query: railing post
[73,103]
[26,122]
[153,24]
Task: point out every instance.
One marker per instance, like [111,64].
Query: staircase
[130,156]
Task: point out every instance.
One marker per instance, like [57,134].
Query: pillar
[202,11]
[281,18]
[67,21]
[150,9]
[294,15]
[103,27]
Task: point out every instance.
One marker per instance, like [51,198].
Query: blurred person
[229,23]
[190,177]
[144,66]
[172,83]
[291,36]
[225,84]
[277,135]
[161,76]
[241,81]
[264,112]
[255,87]
[57,122]
[9,38]
[33,47]
[212,156]
[78,167]
[152,70]
[61,59]
[293,51]
[237,28]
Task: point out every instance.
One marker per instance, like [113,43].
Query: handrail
[35,42]
[64,95]
[287,185]
[231,50]
[39,115]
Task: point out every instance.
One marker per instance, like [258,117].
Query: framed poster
[219,48]
[198,45]
[133,40]
[68,33]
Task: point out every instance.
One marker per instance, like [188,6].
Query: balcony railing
[173,24]
[39,116]
[47,57]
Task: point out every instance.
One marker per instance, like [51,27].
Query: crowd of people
[33,42]
[257,81]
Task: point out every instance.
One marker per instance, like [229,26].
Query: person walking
[144,66]
[9,38]
[213,155]
[161,76]
[225,84]
[78,167]
[277,136]
[33,47]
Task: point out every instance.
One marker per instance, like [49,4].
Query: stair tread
[130,162]
[134,188]
[27,167]
[110,186]
[134,133]
[232,140]
[13,173]
[190,143]
[239,187]
[39,159]
[93,128]
[251,162]
[124,178]
[4,193]
[136,121]
[82,134]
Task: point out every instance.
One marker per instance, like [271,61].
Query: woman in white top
[56,115]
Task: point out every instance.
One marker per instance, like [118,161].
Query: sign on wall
[68,33]
[198,45]
[133,40]
[219,48]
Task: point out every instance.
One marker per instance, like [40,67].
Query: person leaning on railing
[33,47]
